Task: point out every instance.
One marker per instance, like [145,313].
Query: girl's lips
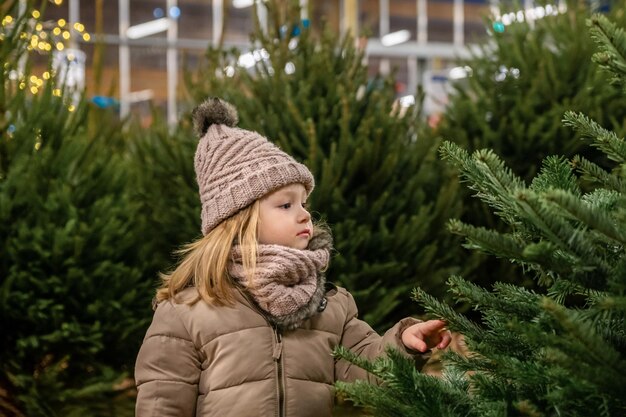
[304,232]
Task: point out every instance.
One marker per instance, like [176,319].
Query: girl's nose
[305,216]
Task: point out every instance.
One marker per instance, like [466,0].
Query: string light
[44,37]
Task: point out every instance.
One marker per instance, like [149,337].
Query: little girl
[246,324]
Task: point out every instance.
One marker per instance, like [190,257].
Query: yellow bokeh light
[56,92]
[33,78]
[22,85]
[86,37]
[70,57]
[39,27]
[71,107]
[42,45]
[43,35]
[36,14]
[37,146]
[58,2]
[46,75]
[79,26]
[34,90]
[33,43]
[61,22]
[48,46]
[60,46]
[66,35]
[56,31]
[8,19]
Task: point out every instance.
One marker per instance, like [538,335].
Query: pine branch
[595,364]
[591,217]
[607,315]
[611,40]
[605,140]
[488,241]
[456,321]
[589,344]
[487,175]
[404,391]
[593,173]
[507,299]
[561,288]
[569,239]
[376,367]
[556,172]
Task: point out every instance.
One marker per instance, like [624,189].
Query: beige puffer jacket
[207,360]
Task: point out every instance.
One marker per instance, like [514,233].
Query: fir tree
[74,301]
[522,81]
[559,352]
[523,78]
[379,183]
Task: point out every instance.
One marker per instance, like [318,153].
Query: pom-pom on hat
[235,167]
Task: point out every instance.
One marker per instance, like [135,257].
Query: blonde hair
[204,262]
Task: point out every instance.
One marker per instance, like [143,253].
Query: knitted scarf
[288,283]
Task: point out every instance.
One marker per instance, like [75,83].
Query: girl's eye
[285,206]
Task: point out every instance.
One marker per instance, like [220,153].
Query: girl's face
[284,219]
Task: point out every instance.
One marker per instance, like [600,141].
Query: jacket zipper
[277,355]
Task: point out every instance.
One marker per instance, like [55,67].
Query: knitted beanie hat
[235,167]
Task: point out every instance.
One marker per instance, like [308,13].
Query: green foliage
[406,392]
[522,82]
[612,48]
[379,183]
[532,354]
[163,182]
[74,298]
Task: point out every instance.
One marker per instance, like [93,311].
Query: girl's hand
[426,335]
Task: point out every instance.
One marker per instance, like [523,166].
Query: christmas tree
[379,184]
[561,351]
[74,298]
[522,79]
